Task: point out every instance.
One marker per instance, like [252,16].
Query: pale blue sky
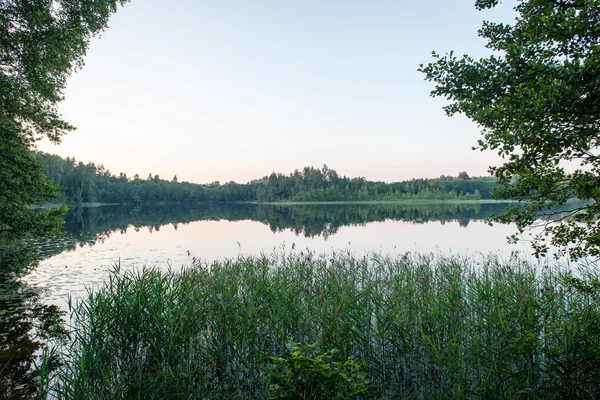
[234,89]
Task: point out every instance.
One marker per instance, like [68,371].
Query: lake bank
[375,202]
[284,203]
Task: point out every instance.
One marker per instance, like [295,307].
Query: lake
[97,238]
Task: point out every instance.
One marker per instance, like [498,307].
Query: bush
[307,373]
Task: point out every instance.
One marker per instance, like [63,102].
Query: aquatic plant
[420,327]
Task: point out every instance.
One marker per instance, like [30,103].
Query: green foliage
[41,43]
[423,328]
[314,184]
[591,287]
[89,183]
[307,373]
[22,184]
[538,103]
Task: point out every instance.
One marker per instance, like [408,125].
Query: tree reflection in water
[25,326]
[95,224]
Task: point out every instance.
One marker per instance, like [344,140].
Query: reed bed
[423,327]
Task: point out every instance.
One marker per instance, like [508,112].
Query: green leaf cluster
[308,373]
[537,100]
[42,43]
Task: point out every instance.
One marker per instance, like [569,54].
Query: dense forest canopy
[91,183]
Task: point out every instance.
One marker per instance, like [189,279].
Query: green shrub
[307,373]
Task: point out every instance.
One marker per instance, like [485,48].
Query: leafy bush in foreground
[306,373]
[422,327]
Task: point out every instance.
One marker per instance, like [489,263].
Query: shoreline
[288,203]
[374,202]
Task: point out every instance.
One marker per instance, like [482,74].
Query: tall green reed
[424,327]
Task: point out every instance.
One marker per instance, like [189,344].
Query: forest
[91,183]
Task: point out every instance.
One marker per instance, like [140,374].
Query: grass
[422,327]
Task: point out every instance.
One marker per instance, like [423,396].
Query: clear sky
[235,89]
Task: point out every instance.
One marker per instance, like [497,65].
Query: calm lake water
[169,236]
[99,237]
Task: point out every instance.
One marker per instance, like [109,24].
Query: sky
[231,90]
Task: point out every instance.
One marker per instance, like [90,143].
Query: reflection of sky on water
[68,273]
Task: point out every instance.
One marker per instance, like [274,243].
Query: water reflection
[91,225]
[25,325]
[325,220]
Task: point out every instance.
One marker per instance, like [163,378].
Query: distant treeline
[91,183]
[325,184]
